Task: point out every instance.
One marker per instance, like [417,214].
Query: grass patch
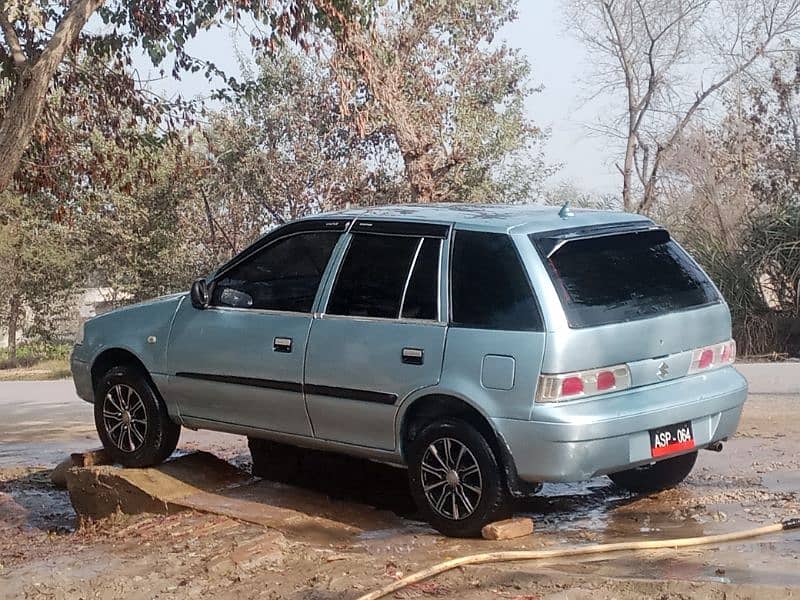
[47,369]
[36,360]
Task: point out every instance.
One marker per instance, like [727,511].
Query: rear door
[381,335]
[496,337]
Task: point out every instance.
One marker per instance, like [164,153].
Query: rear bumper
[579,440]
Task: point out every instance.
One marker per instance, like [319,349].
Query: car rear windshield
[623,277]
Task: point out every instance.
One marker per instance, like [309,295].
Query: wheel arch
[116,357]
[426,408]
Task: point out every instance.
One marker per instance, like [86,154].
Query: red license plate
[671,439]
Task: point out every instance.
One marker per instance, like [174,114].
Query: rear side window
[625,277]
[388,276]
[490,287]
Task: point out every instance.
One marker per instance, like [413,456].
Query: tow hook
[715,447]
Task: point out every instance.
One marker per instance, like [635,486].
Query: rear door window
[624,277]
[489,286]
[388,276]
[421,300]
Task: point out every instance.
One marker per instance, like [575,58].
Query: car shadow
[385,488]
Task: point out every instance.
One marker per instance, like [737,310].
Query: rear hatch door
[629,294]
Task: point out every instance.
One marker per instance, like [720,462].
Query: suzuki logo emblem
[663,370]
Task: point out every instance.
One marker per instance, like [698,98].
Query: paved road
[772,378]
[41,422]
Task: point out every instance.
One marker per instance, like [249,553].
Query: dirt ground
[371,535]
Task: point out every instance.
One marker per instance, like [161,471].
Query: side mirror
[199,294]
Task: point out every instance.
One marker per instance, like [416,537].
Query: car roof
[510,218]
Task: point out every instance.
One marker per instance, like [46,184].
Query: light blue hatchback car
[488,348]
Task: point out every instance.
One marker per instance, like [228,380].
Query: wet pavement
[374,533]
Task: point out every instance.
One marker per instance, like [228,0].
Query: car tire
[659,476]
[475,496]
[132,420]
[274,461]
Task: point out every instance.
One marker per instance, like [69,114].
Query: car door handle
[413,356]
[282,344]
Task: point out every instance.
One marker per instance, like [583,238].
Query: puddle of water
[30,500]
[49,454]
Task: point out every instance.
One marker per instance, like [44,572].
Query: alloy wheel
[451,478]
[125,417]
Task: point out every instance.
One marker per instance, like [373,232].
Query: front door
[381,336]
[240,360]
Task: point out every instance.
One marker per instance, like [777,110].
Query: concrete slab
[201,481]
[100,491]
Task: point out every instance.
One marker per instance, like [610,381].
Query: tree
[281,151]
[732,194]
[426,84]
[40,263]
[34,61]
[651,51]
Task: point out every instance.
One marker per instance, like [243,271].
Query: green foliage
[31,353]
[740,213]
[136,239]
[124,191]
[40,262]
[97,90]
[429,86]
[774,246]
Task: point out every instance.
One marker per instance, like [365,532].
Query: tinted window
[422,296]
[490,288]
[625,277]
[373,276]
[283,276]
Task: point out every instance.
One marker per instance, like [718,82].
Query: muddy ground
[370,534]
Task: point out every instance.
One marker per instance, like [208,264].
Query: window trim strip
[408,228]
[408,277]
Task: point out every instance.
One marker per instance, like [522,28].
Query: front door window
[283,276]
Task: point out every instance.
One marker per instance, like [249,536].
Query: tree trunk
[30,93]
[13,321]
[627,172]
[419,173]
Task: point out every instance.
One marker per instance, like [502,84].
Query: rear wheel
[662,475]
[456,479]
[132,420]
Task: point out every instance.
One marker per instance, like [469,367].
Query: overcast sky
[558,62]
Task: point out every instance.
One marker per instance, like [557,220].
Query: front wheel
[131,419]
[456,479]
[662,475]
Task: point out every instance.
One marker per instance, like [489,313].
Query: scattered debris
[508,529]
[89,458]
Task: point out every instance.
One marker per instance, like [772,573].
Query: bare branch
[10,35]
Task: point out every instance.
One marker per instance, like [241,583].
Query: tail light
[712,357]
[582,384]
